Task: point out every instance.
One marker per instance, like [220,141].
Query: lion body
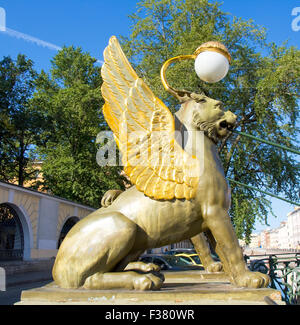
[110,238]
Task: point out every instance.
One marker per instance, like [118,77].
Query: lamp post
[212,60]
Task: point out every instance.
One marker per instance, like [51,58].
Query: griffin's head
[206,114]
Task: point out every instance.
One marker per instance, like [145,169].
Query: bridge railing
[284,272]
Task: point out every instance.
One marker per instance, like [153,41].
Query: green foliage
[262,89]
[19,124]
[71,101]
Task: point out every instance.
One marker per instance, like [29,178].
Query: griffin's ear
[198,97]
[183,95]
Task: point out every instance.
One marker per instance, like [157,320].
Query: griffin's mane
[209,128]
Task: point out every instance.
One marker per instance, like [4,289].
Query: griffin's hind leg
[95,244]
[203,250]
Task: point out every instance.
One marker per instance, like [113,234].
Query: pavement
[13,280]
[17,283]
[24,275]
[12,295]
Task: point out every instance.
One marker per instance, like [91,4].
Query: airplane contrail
[35,40]
[32,39]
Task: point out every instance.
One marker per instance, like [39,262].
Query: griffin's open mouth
[226,125]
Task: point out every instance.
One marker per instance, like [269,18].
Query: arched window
[66,228]
[11,234]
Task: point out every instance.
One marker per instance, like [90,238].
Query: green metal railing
[267,142]
[264,192]
[284,272]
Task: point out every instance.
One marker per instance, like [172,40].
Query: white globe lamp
[212,62]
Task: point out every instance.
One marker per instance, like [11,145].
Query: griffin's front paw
[141,266]
[147,282]
[252,280]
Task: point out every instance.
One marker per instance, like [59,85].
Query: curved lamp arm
[179,94]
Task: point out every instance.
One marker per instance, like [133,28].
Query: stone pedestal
[180,288]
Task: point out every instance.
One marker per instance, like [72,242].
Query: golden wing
[144,130]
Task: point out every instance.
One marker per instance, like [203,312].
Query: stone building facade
[286,236]
[33,224]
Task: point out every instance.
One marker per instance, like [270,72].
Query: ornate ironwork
[284,271]
[10,231]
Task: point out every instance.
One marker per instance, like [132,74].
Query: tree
[262,89]
[19,124]
[71,101]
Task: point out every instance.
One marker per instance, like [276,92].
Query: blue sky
[90,23]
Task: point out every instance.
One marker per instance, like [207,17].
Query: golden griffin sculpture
[179,191]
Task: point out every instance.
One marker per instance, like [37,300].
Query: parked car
[169,262]
[215,257]
[192,259]
[175,251]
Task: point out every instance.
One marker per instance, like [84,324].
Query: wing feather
[144,130]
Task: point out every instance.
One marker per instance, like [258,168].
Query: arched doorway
[11,234]
[66,228]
